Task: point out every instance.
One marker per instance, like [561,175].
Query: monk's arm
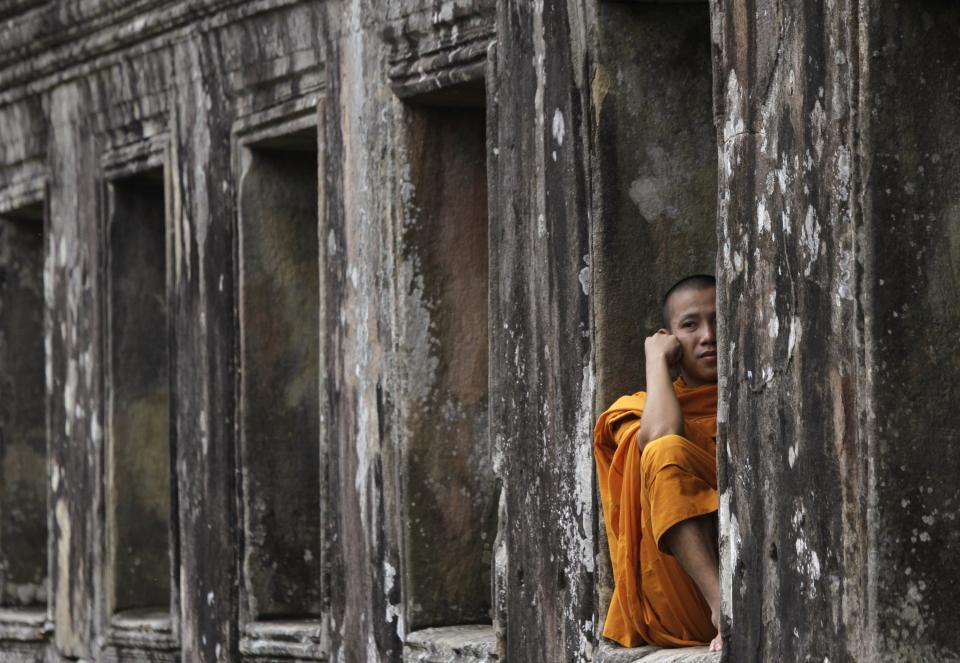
[661,414]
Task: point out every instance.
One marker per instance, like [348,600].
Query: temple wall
[307,311]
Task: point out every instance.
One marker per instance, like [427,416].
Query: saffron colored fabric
[643,495]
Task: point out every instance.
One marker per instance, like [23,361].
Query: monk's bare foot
[717,643]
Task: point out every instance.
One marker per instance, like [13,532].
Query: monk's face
[693,320]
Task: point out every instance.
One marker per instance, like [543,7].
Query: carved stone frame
[261,640]
[29,627]
[157,638]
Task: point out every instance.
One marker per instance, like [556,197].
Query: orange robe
[643,495]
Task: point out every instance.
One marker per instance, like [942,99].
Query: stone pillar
[203,361]
[74,378]
[838,271]
[357,282]
[910,295]
[542,375]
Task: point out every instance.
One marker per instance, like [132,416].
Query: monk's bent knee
[666,450]
[677,450]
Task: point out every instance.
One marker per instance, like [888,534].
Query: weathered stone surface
[449,515]
[279,300]
[683,655]
[503,189]
[911,272]
[788,293]
[542,377]
[609,652]
[451,644]
[138,387]
[23,439]
[834,267]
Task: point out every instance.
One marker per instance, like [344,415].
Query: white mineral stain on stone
[734,121]
[733,127]
[580,538]
[810,236]
[393,611]
[792,455]
[783,177]
[843,172]
[584,275]
[444,14]
[763,218]
[202,425]
[331,243]
[70,395]
[645,193]
[558,128]
[734,534]
[814,567]
[767,374]
[795,333]
[63,603]
[817,127]
[726,545]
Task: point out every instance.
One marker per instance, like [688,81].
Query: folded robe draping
[644,494]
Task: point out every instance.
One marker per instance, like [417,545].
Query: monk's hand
[663,346]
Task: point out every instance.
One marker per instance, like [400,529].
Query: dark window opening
[138,382]
[657,158]
[450,496]
[23,435]
[279,386]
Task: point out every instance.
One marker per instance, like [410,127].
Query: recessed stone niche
[656,152]
[138,384]
[23,438]
[657,156]
[279,393]
[449,492]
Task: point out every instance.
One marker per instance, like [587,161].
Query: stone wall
[326,296]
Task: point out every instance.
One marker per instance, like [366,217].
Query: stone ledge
[301,639]
[611,653]
[452,644]
[24,624]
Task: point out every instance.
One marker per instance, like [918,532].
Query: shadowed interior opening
[139,471]
[280,428]
[657,156]
[23,437]
[448,486]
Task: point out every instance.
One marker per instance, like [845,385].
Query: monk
[657,469]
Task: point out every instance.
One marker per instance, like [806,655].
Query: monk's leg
[693,543]
[680,481]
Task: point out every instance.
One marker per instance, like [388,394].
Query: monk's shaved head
[693,282]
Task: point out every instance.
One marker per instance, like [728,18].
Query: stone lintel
[435,64]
